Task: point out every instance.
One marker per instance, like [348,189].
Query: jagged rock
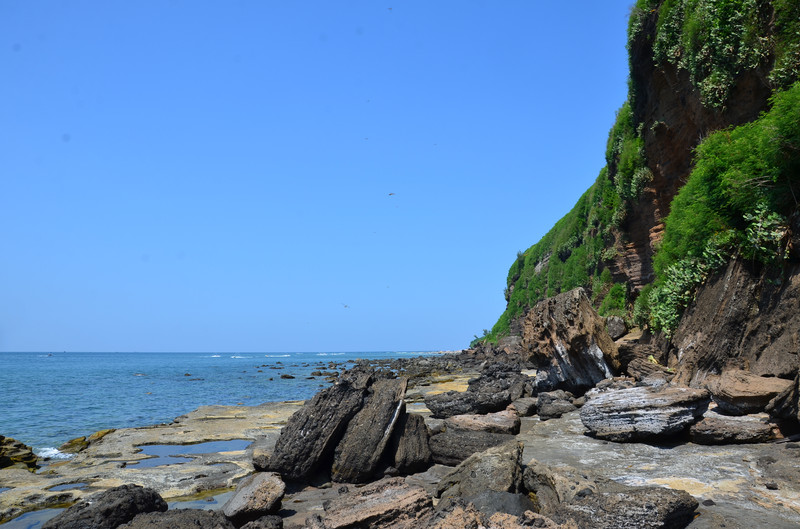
[715,429]
[632,508]
[616,327]
[643,413]
[740,317]
[179,519]
[410,444]
[500,376]
[645,369]
[358,453]
[256,496]
[499,422]
[525,407]
[454,445]
[610,384]
[490,502]
[738,392]
[15,453]
[498,469]
[554,404]
[452,403]
[261,454]
[554,485]
[312,433]
[568,342]
[265,522]
[388,503]
[786,405]
[108,509]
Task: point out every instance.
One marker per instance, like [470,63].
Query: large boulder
[256,496]
[388,503]
[498,469]
[505,421]
[454,445]
[412,453]
[786,406]
[500,376]
[631,508]
[715,429]
[179,519]
[16,454]
[643,413]
[368,434]
[451,403]
[568,342]
[738,392]
[556,484]
[309,438]
[108,509]
[554,404]
[616,327]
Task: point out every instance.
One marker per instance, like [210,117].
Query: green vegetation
[745,183]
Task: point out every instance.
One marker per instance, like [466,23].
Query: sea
[50,398]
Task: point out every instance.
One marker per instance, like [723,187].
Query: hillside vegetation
[744,185]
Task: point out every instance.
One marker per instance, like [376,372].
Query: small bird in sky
[345,306]
[391,194]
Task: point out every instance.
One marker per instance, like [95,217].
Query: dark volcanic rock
[410,444]
[616,328]
[265,522]
[525,407]
[643,413]
[454,445]
[502,377]
[108,509]
[312,433]
[738,392]
[554,404]
[452,403]
[14,453]
[256,496]
[498,469]
[386,503]
[714,429]
[179,519]
[633,508]
[369,432]
[568,342]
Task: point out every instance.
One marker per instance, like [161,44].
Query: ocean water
[50,398]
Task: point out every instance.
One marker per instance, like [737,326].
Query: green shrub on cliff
[745,183]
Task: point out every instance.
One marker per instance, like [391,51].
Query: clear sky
[288,175]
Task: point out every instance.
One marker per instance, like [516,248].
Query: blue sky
[288,176]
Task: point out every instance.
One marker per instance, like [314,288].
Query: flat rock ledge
[643,413]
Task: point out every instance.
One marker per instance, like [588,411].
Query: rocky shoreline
[578,430]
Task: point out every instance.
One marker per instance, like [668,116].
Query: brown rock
[715,429]
[556,484]
[180,519]
[14,453]
[525,407]
[256,496]
[498,469]
[787,404]
[567,340]
[738,392]
[499,422]
[388,503]
[368,434]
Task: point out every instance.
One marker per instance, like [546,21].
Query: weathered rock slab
[554,404]
[738,392]
[368,434]
[454,445]
[556,484]
[389,503]
[412,453]
[498,469]
[256,496]
[109,509]
[525,407]
[313,432]
[715,429]
[643,413]
[499,422]
[452,403]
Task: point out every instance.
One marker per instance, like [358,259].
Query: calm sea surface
[51,398]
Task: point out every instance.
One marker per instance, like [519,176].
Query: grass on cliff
[745,185]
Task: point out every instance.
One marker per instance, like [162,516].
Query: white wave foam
[215,356]
[237,356]
[330,354]
[277,356]
[52,453]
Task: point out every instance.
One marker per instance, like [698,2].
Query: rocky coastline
[564,428]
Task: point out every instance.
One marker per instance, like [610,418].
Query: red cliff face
[673,122]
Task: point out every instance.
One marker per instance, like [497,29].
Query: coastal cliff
[713,103]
